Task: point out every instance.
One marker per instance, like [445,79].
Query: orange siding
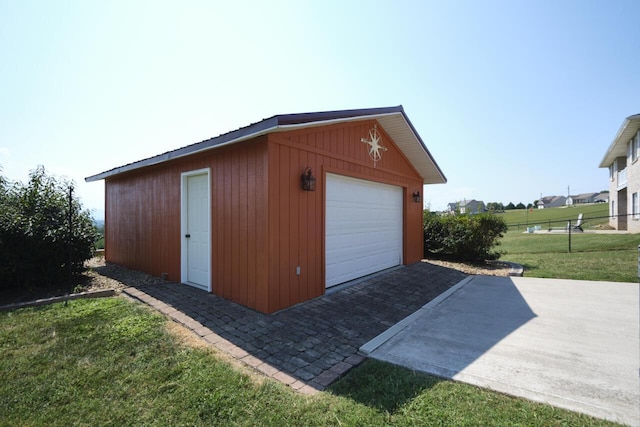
[263,225]
[296,217]
[143,217]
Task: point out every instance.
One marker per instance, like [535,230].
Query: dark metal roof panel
[284,121]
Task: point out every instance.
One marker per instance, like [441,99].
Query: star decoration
[374,144]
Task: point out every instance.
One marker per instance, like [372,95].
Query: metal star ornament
[375,148]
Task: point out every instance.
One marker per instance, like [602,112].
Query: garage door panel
[363,230]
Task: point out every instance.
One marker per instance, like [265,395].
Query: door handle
[187,235]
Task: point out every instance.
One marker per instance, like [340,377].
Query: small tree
[520,206]
[462,237]
[44,234]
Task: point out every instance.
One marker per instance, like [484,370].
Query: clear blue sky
[513,98]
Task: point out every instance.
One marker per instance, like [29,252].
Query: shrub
[462,237]
[37,247]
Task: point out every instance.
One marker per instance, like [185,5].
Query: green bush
[462,237]
[38,249]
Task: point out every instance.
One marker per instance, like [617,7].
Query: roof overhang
[393,119]
[618,147]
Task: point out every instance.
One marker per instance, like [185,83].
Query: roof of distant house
[584,195]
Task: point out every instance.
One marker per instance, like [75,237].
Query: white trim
[334,121]
[183,224]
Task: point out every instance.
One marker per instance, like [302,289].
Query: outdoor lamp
[416,196]
[308,180]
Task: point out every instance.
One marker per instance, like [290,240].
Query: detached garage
[275,213]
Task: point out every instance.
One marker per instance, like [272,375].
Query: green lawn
[113,362]
[595,214]
[610,257]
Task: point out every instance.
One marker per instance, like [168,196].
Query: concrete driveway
[572,344]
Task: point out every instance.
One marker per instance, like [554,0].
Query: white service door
[198,230]
[363,228]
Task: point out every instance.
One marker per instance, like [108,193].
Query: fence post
[70,234]
[569,236]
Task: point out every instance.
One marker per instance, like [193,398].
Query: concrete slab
[571,344]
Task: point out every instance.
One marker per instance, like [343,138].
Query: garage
[363,231]
[295,203]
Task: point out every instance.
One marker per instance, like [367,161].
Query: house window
[635,147]
[635,205]
[611,171]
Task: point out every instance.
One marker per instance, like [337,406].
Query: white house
[624,176]
[551,202]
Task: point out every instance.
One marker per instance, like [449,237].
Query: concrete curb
[45,301]
[515,270]
[373,344]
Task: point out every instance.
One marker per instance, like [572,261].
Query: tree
[45,236]
[510,206]
[520,206]
[495,207]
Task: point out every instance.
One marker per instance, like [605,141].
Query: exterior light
[308,180]
[416,197]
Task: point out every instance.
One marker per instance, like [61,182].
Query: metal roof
[618,147]
[393,119]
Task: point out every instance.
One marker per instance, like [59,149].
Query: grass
[609,257]
[594,213]
[112,362]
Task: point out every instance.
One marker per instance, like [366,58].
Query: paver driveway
[310,345]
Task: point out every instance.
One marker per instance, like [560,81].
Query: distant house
[467,207]
[621,159]
[584,198]
[602,197]
[551,202]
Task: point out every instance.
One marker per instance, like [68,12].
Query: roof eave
[620,138]
[427,152]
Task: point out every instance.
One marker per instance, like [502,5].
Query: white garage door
[363,228]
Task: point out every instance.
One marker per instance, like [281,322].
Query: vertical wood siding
[263,225]
[296,217]
[143,217]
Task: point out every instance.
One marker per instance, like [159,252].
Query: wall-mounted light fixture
[416,196]
[308,180]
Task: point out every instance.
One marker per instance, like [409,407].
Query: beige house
[624,176]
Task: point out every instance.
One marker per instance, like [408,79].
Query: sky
[514,99]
